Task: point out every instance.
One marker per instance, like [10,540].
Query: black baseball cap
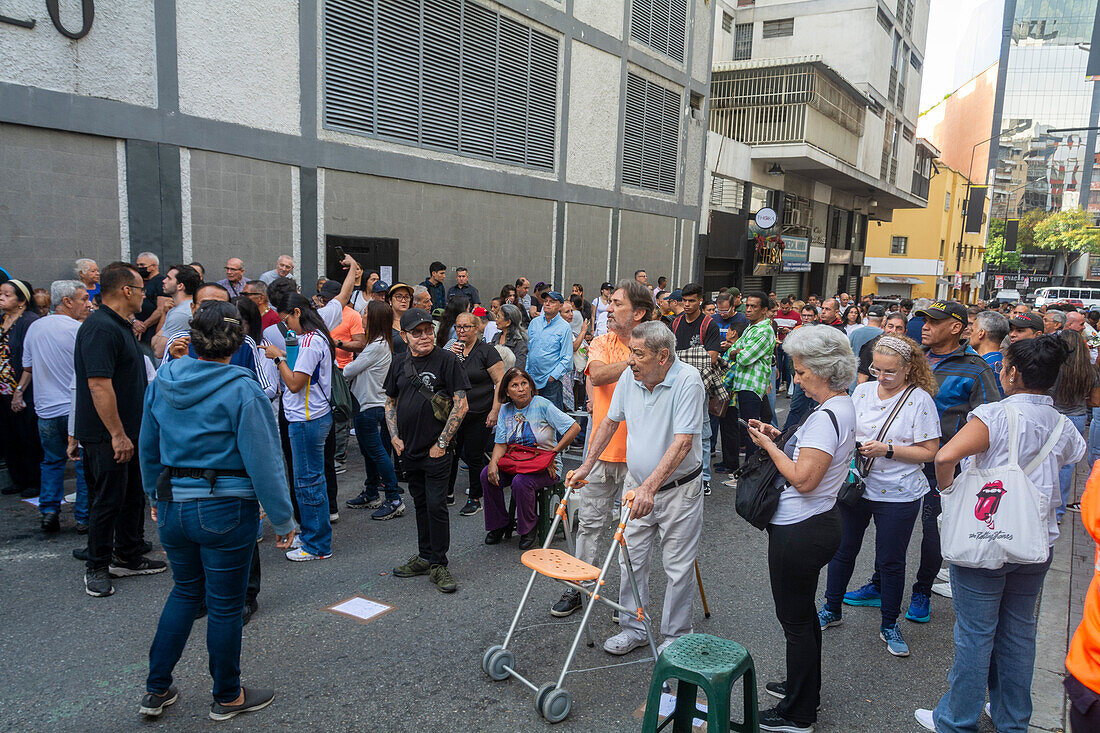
[1027,320]
[380,286]
[413,317]
[606,286]
[876,311]
[330,289]
[941,309]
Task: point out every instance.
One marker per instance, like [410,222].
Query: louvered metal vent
[661,25]
[446,74]
[651,135]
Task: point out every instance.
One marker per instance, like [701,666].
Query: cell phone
[339,252]
[744,424]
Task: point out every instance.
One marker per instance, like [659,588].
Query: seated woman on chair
[524,419]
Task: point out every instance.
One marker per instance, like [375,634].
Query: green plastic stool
[547,505]
[702,660]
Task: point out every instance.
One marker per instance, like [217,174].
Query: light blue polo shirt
[653,419]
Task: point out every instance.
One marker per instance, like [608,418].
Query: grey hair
[83,265]
[994,324]
[920,304]
[419,290]
[150,256]
[1057,316]
[657,336]
[825,352]
[515,321]
[64,289]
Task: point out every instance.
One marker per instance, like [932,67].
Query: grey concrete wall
[58,202]
[646,241]
[240,207]
[587,229]
[498,237]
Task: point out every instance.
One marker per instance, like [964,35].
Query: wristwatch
[278,360]
[890,453]
[442,444]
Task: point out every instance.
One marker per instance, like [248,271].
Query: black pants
[730,430]
[116,505]
[1084,708]
[470,441]
[930,557]
[749,405]
[330,465]
[19,442]
[796,555]
[428,479]
[253,589]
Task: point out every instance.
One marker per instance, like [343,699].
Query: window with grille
[884,21]
[727,22]
[742,42]
[726,193]
[651,135]
[778,28]
[446,74]
[915,62]
[661,25]
[899,245]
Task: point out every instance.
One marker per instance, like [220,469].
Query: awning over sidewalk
[898,280]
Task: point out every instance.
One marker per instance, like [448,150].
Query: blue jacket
[201,414]
[438,293]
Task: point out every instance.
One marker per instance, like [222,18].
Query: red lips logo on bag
[989,498]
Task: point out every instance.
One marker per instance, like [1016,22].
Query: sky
[963,40]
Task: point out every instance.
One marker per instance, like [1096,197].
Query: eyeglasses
[401,296]
[463,327]
[888,373]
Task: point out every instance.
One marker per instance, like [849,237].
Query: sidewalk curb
[1048,698]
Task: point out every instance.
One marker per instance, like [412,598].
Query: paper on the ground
[361,608]
[33,501]
[668,705]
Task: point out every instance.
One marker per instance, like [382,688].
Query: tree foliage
[1070,232]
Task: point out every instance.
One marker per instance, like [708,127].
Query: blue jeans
[1065,473]
[53,432]
[1094,436]
[209,544]
[801,405]
[994,647]
[307,452]
[368,433]
[552,392]
[893,526]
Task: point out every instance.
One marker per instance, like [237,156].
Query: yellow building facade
[924,253]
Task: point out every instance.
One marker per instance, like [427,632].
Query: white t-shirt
[491,332]
[1037,419]
[48,351]
[331,313]
[311,402]
[359,300]
[818,432]
[916,422]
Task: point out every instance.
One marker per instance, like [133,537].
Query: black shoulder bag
[441,403]
[853,487]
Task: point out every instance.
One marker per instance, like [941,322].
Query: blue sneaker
[389,510]
[920,608]
[868,595]
[828,618]
[894,643]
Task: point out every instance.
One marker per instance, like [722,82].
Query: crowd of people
[219,403]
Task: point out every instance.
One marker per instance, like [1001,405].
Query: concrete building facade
[813,115]
[562,141]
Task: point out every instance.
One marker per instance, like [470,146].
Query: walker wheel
[488,655]
[555,705]
[500,659]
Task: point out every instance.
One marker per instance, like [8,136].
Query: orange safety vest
[1083,660]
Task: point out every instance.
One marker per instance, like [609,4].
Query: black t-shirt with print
[439,371]
[476,366]
[688,334]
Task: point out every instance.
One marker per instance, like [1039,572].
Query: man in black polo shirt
[423,441]
[110,389]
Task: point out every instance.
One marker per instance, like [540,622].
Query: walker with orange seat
[552,701]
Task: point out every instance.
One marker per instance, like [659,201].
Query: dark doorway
[372,253]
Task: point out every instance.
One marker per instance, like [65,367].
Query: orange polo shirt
[1083,660]
[607,349]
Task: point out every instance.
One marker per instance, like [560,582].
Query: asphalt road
[73,662]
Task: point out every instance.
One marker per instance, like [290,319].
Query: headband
[893,342]
[22,288]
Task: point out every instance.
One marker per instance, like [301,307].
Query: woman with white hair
[88,272]
[805,532]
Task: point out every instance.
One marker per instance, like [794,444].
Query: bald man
[234,280]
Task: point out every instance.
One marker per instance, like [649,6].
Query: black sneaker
[1074,507]
[253,700]
[138,566]
[81,553]
[81,528]
[771,720]
[30,493]
[250,607]
[97,583]
[50,523]
[145,548]
[569,603]
[450,499]
[527,541]
[153,705]
[10,489]
[776,689]
[363,502]
[473,506]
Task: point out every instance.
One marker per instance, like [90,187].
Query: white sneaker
[624,642]
[334,517]
[296,542]
[300,555]
[942,589]
[924,717]
[732,483]
[944,575]
[665,644]
[987,713]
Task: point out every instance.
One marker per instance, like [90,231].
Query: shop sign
[1025,281]
[769,254]
[796,267]
[87,16]
[840,256]
[797,249]
[999,282]
[1094,266]
[958,280]
[766,218]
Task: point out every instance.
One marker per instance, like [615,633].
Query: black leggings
[470,443]
[796,555]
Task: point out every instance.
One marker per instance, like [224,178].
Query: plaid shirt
[697,357]
[751,359]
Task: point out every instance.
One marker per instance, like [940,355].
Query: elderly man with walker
[661,400]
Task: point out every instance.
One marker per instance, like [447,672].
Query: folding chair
[553,701]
